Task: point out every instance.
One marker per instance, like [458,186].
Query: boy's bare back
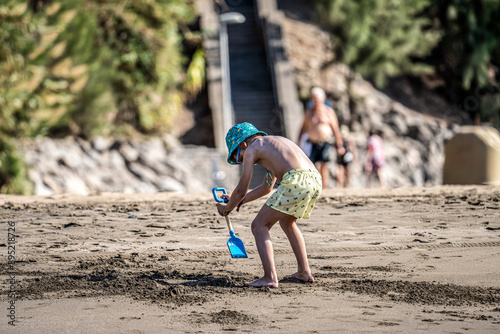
[278,154]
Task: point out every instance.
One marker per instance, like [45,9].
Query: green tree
[379,38]
[13,173]
[468,56]
[91,67]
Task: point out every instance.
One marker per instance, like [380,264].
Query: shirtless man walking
[322,127]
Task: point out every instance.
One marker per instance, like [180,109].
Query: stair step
[251,86]
[254,102]
[248,104]
[264,113]
[267,113]
[257,99]
[252,94]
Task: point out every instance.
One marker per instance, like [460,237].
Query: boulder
[75,166]
[414,141]
[473,157]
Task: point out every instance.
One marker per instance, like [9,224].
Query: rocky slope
[414,142]
[74,166]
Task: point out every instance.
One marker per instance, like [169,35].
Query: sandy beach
[402,260]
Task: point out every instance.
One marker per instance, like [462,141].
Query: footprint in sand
[388,323]
[441,226]
[72,224]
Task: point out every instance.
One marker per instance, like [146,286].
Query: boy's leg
[292,231]
[266,218]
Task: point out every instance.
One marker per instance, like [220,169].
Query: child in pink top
[375,159]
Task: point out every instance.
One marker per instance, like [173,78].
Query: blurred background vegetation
[93,67]
[456,41]
[123,68]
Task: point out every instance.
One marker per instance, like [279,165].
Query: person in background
[344,160]
[375,159]
[321,127]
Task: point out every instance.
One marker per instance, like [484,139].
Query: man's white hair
[319,92]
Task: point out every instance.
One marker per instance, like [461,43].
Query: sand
[414,260]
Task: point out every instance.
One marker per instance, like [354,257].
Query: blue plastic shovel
[235,245]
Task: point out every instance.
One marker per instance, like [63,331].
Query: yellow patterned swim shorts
[298,191]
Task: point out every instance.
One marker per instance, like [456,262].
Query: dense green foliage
[13,178]
[471,40]
[114,68]
[378,38]
[468,55]
[457,39]
[92,67]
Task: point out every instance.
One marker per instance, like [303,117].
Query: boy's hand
[221,207]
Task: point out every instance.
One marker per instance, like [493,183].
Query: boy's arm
[241,189]
[262,190]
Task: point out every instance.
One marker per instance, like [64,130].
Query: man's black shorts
[320,152]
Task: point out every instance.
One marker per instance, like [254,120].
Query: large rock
[473,157]
[102,165]
[414,142]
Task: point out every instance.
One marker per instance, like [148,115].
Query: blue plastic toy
[235,245]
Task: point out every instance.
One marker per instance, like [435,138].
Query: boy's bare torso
[278,154]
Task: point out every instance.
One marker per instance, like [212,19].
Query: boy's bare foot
[305,277]
[262,282]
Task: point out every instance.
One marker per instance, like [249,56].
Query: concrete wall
[210,28]
[473,157]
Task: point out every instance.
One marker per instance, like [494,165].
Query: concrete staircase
[262,86]
[251,82]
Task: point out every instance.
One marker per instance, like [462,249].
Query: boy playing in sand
[300,187]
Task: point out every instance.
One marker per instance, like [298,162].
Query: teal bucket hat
[236,135]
